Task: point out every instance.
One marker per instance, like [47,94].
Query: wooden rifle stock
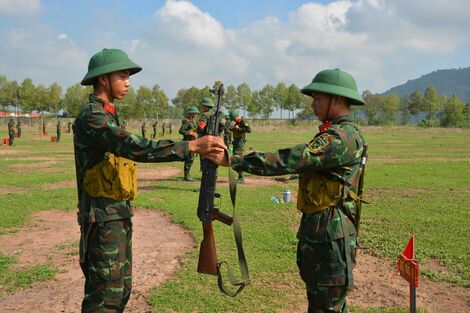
[207,263]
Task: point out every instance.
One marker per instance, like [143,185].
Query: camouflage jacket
[239,133]
[227,131]
[188,126]
[97,131]
[205,123]
[335,153]
[11,126]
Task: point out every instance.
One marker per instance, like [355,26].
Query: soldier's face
[119,84]
[320,105]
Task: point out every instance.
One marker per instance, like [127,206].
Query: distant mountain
[449,82]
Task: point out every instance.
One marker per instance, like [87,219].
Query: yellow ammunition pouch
[317,193]
[114,178]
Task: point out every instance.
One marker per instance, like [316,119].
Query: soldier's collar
[324,127]
[107,106]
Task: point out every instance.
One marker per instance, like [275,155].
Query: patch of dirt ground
[157,247]
[52,237]
[145,174]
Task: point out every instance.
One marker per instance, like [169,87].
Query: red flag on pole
[409,251]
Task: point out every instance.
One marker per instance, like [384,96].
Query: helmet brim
[354,97]
[110,68]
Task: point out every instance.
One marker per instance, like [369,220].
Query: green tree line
[145,102]
[430,109]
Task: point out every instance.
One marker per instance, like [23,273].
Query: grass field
[417,181]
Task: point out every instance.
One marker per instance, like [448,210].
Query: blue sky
[181,43]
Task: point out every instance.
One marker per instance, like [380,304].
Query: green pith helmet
[207,102]
[108,61]
[335,82]
[192,110]
[233,114]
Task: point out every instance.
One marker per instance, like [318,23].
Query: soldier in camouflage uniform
[154,127]
[239,129]
[105,222]
[227,131]
[11,131]
[329,168]
[144,129]
[188,130]
[59,131]
[69,127]
[18,129]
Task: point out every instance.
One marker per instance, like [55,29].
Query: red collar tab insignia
[325,126]
[108,107]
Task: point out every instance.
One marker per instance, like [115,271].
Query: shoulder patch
[318,144]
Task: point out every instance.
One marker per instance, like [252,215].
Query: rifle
[360,191]
[207,212]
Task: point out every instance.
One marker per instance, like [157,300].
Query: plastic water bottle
[286,196]
[274,199]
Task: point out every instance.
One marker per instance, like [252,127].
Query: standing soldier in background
[239,130]
[59,130]
[169,127]
[144,129]
[188,130]
[11,131]
[44,131]
[18,128]
[163,129]
[154,126]
[102,150]
[69,127]
[330,175]
[227,132]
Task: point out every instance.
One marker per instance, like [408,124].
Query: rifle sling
[243,265]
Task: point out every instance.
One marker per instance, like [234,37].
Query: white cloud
[42,54]
[20,7]
[187,23]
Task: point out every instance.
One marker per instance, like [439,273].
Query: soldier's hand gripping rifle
[207,212]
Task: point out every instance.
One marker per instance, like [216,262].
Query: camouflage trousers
[188,163]
[238,148]
[324,260]
[11,136]
[107,266]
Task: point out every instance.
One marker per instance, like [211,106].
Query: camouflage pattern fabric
[188,126]
[325,236]
[154,127]
[11,132]
[108,266]
[239,136]
[239,140]
[227,133]
[205,122]
[18,129]
[97,131]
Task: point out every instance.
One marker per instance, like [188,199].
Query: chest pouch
[114,178]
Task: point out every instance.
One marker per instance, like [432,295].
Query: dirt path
[157,245]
